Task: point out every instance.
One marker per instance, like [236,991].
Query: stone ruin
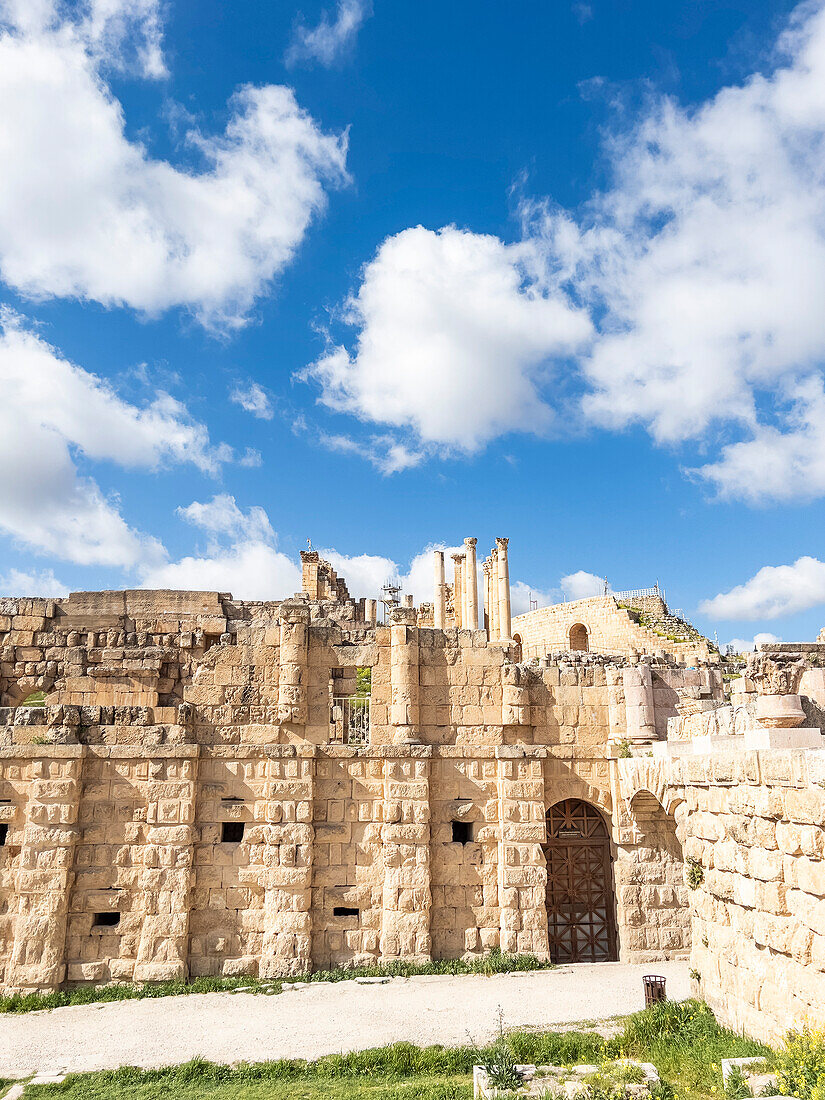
[212,786]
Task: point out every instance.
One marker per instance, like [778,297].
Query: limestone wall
[752,827]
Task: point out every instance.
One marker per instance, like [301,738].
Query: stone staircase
[662,623]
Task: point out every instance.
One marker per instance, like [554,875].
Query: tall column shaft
[439,601]
[458,590]
[485,569]
[493,559]
[505,626]
[470,585]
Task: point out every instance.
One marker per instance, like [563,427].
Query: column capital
[471,543]
[501,543]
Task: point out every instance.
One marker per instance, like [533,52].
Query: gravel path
[321,1018]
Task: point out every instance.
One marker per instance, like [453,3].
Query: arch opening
[579,637]
[581,922]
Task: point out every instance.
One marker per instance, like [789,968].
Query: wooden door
[580,908]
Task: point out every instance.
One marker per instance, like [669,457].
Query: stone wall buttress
[44,880]
[405,839]
[287,872]
[165,880]
[521,862]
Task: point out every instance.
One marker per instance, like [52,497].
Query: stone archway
[581,925]
[579,637]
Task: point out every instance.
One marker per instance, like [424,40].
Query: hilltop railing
[637,593]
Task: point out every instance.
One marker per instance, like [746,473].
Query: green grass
[682,1040]
[493,963]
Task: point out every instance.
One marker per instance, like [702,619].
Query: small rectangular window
[4,832]
[462,832]
[232,832]
[345,911]
[106,920]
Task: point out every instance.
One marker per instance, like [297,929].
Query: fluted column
[493,560]
[470,585]
[505,627]
[458,590]
[439,595]
[485,569]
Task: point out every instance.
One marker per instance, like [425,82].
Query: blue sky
[386,275]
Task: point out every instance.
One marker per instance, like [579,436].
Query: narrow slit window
[4,832]
[232,832]
[462,832]
[106,920]
[345,911]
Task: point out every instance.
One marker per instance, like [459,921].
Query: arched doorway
[580,911]
[578,637]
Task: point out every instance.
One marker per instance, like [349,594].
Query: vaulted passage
[580,910]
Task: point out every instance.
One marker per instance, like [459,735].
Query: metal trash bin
[654,989]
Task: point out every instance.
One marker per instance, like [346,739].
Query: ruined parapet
[319,580]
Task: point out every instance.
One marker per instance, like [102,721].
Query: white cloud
[53,411]
[89,214]
[253,399]
[387,455]
[581,585]
[744,645]
[250,570]
[456,337]
[526,597]
[18,582]
[121,33]
[241,555]
[774,591]
[575,586]
[222,516]
[778,463]
[332,37]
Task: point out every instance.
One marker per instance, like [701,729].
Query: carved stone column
[293,659]
[493,596]
[439,594]
[371,612]
[404,679]
[470,585]
[458,590]
[485,570]
[505,626]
